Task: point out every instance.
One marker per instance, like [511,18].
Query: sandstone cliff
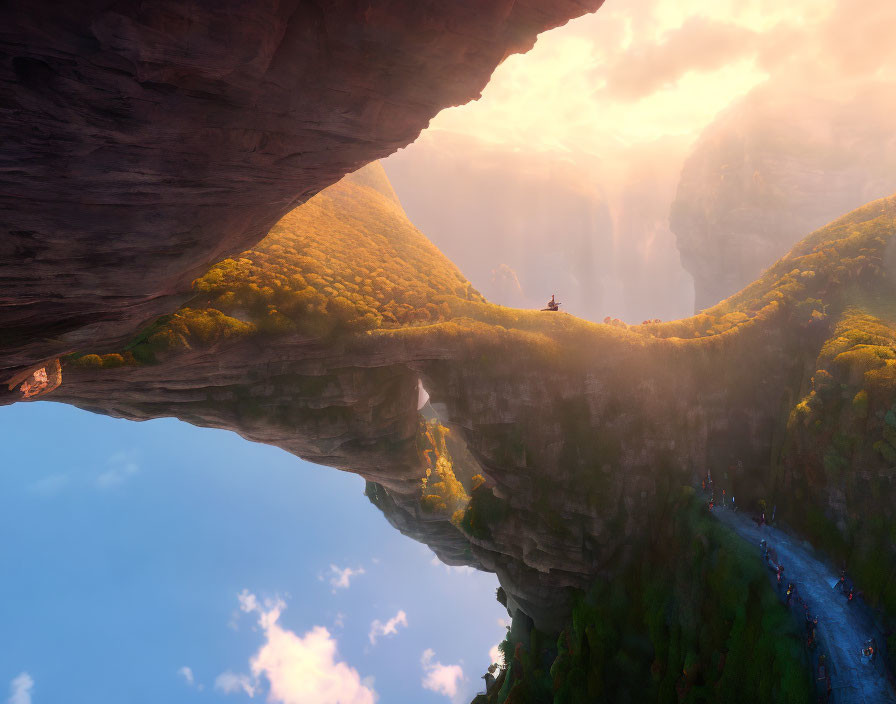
[143,141]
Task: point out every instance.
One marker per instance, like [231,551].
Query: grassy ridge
[349,261]
[345,262]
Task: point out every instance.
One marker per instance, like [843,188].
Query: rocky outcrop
[772,168]
[578,455]
[566,438]
[143,141]
[579,432]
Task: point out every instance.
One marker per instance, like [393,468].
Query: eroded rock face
[771,169]
[580,453]
[573,436]
[143,141]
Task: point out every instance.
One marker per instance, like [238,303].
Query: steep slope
[145,140]
[560,447]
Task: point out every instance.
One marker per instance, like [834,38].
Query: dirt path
[842,627]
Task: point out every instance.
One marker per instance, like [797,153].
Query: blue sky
[130,551]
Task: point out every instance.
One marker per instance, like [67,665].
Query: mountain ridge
[581,434]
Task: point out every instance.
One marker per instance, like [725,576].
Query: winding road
[843,627]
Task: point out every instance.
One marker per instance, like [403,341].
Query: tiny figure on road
[789,596]
[869,650]
[811,631]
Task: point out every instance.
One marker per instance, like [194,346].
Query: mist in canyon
[744,128]
[525,226]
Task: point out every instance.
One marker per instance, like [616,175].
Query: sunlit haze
[637,71]
[605,111]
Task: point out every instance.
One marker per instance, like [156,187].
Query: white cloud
[495,655]
[341,578]
[49,485]
[20,689]
[121,466]
[686,60]
[443,679]
[389,628]
[248,602]
[298,669]
[231,683]
[304,669]
[189,678]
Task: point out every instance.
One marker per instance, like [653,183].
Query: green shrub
[484,512]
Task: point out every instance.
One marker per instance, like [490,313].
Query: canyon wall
[771,168]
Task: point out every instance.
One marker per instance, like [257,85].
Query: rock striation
[145,140]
